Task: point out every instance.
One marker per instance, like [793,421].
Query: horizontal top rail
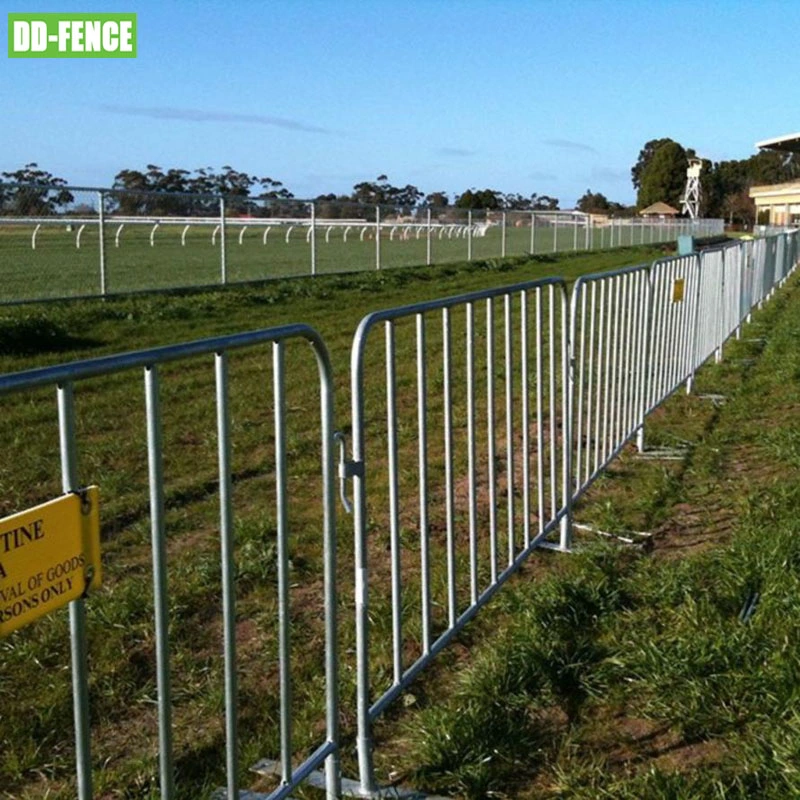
[80,370]
[612,273]
[388,314]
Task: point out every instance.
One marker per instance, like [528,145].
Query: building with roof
[780,200]
[659,209]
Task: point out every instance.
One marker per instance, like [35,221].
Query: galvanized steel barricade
[64,379]
[608,354]
[675,292]
[438,463]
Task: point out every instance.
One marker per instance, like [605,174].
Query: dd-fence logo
[72,35]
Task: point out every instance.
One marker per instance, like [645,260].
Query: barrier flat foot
[350,788]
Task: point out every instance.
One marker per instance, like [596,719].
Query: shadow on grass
[37,334]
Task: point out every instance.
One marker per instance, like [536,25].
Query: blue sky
[543,96]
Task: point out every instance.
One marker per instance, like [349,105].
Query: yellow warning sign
[677,290]
[49,556]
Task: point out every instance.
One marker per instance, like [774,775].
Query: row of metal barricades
[477,422]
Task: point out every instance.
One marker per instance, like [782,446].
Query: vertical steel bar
[540,443]
[526,443]
[282,512]
[77,608]
[101,220]
[228,575]
[578,410]
[377,237]
[509,370]
[646,343]
[625,345]
[473,501]
[333,772]
[601,354]
[567,399]
[428,255]
[634,326]
[424,545]
[313,238]
[223,257]
[394,505]
[448,467]
[607,367]
[617,283]
[361,574]
[160,598]
[589,389]
[490,436]
[552,369]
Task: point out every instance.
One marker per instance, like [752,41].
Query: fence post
[695,325]
[469,234]
[377,237]
[569,318]
[647,338]
[428,239]
[102,224]
[77,608]
[503,237]
[720,316]
[313,238]
[533,233]
[222,259]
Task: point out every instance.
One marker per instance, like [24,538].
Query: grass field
[56,268]
[560,650]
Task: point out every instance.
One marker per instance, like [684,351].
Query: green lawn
[57,268]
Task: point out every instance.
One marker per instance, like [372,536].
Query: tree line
[659,174]
[155,191]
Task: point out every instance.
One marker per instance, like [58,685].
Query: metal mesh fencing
[73,242]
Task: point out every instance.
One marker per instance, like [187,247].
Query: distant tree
[333,206]
[380,192]
[242,190]
[593,203]
[436,200]
[771,167]
[480,199]
[663,178]
[645,156]
[621,210]
[43,193]
[515,202]
[739,207]
[544,203]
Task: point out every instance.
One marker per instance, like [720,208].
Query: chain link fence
[58,242]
